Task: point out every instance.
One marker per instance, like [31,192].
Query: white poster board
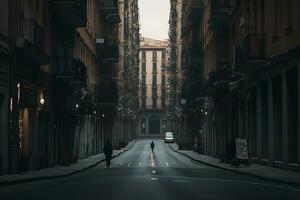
[241,149]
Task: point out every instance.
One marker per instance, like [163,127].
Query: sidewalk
[59,171]
[256,170]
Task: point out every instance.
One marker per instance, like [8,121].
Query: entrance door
[154,126]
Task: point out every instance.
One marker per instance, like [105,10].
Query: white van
[169,137]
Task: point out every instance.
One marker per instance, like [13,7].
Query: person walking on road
[152,146]
[108,150]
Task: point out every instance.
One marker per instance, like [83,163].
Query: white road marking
[152,161]
[154,179]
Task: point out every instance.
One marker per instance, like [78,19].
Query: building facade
[248,78]
[58,87]
[5,49]
[153,90]
[127,72]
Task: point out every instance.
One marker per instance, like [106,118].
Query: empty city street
[139,174]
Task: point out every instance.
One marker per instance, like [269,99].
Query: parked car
[169,137]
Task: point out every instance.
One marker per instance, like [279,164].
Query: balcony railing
[250,55]
[66,67]
[32,32]
[108,3]
[110,9]
[110,51]
[221,6]
[154,71]
[253,46]
[220,11]
[195,10]
[71,13]
[196,51]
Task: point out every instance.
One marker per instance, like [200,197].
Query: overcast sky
[154,18]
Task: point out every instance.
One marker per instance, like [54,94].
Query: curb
[35,179]
[292,183]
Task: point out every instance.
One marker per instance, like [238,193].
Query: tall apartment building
[153,90]
[242,61]
[55,57]
[125,126]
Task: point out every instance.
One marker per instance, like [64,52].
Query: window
[154,69]
[154,102]
[143,67]
[163,80]
[143,102]
[154,55]
[163,102]
[154,80]
[143,55]
[163,55]
[143,80]
[163,67]
[154,92]
[163,92]
[144,92]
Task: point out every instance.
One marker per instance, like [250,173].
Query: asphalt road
[142,175]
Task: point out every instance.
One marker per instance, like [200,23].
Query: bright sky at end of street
[154,18]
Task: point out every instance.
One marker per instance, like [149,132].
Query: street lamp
[42,101]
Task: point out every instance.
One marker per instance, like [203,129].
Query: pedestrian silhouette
[108,150]
[152,146]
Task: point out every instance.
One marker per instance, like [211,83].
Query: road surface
[142,175]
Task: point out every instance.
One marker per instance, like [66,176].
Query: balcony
[223,72]
[109,8]
[71,13]
[68,68]
[251,54]
[30,42]
[196,52]
[195,10]
[220,12]
[108,50]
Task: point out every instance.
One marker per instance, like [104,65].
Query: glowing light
[42,101]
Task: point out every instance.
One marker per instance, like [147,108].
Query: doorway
[154,125]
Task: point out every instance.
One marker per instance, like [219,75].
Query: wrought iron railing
[196,3]
[68,66]
[253,46]
[32,32]
[108,3]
